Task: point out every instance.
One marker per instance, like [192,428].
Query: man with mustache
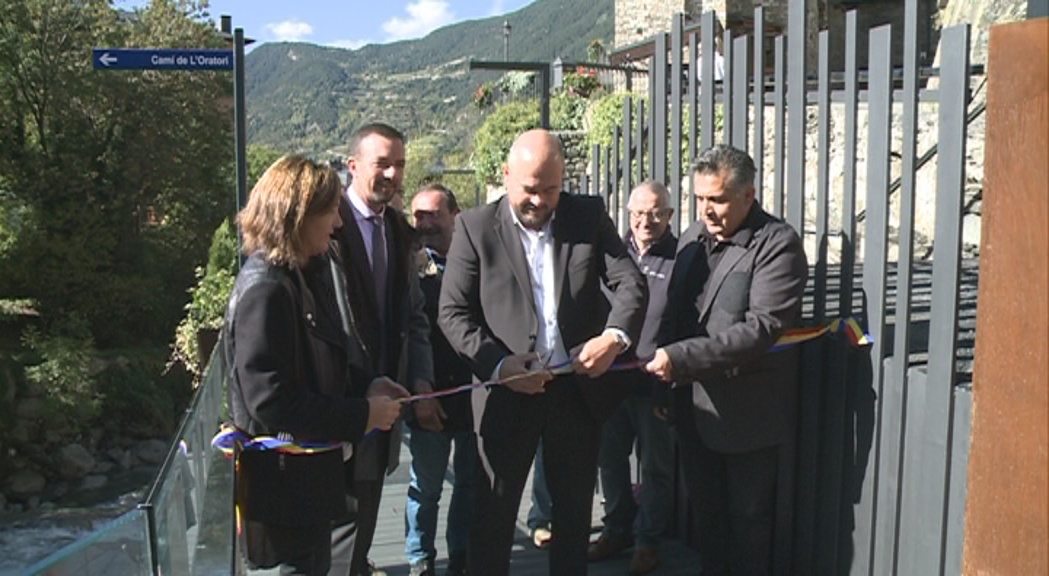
[386,311]
[521,301]
[737,284]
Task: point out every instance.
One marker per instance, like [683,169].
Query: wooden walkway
[388,548]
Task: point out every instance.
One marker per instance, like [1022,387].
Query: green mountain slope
[310,98]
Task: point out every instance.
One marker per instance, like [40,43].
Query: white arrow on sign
[106,59]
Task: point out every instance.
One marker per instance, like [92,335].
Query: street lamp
[506,40]
[240,122]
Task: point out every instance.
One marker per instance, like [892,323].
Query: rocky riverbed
[87,484]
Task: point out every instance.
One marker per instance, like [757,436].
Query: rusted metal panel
[1007,514]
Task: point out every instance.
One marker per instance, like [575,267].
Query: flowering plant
[483,96]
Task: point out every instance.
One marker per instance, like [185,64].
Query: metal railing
[875,478]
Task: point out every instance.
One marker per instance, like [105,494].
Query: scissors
[558,369]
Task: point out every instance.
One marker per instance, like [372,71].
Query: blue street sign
[162,59]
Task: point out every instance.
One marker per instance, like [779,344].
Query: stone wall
[576,155]
[638,20]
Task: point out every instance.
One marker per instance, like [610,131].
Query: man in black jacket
[385,302]
[438,425]
[737,285]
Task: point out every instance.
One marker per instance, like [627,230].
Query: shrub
[516,83]
[605,114]
[207,306]
[567,112]
[494,137]
[140,395]
[66,356]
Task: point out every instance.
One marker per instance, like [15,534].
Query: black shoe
[371,570]
[456,565]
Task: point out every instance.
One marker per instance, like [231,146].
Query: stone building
[637,21]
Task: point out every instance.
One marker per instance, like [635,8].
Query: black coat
[744,397]
[290,373]
[487,308]
[409,357]
[449,369]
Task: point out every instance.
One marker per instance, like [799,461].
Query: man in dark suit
[522,299]
[737,285]
[386,305]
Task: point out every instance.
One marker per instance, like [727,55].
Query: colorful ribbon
[849,326]
[229,436]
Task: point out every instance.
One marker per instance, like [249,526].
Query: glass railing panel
[192,501]
[119,547]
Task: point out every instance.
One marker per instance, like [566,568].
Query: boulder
[25,483]
[102,467]
[75,461]
[23,431]
[120,457]
[94,481]
[150,451]
[29,408]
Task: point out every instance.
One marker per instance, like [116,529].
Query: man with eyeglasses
[652,245]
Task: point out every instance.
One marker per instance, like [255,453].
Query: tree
[259,158]
[119,177]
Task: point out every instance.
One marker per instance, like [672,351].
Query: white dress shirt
[539,252]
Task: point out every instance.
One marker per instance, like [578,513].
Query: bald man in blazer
[522,292]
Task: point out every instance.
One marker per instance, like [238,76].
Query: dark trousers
[734,498]
[351,535]
[314,561]
[570,434]
[302,549]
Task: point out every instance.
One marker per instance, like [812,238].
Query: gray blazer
[745,398]
[486,307]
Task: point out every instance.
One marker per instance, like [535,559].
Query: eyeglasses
[654,216]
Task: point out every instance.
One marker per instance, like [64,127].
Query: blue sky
[348,23]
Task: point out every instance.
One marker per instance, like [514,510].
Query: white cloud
[349,44]
[289,30]
[424,16]
[498,7]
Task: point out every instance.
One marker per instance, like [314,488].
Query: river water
[28,537]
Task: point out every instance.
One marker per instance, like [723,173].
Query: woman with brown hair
[292,366]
